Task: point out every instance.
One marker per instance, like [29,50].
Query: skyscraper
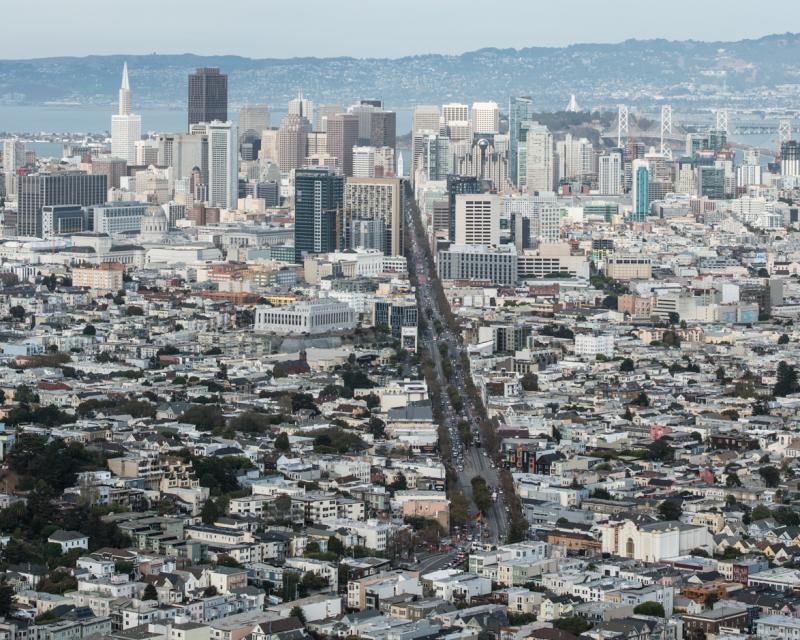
[318,196]
[436,159]
[640,192]
[376,199]
[575,157]
[364,162]
[126,127]
[37,190]
[208,96]
[325,111]
[478,219]
[790,159]
[425,121]
[485,118]
[454,112]
[540,169]
[253,119]
[610,174]
[520,109]
[13,159]
[301,106]
[455,186]
[342,137]
[292,142]
[223,165]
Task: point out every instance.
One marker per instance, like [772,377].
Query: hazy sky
[369,28]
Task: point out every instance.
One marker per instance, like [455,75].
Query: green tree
[649,608]
[282,442]
[134,310]
[530,382]
[6,598]
[627,366]
[297,612]
[670,510]
[784,339]
[600,494]
[210,512]
[17,312]
[335,546]
[760,512]
[572,624]
[204,417]
[786,380]
[150,592]
[89,330]
[770,475]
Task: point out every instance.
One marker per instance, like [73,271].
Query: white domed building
[155,225]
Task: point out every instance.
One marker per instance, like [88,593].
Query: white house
[69,540]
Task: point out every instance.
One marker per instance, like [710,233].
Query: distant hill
[636,72]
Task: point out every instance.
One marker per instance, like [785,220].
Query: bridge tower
[784,131]
[721,120]
[622,125]
[666,130]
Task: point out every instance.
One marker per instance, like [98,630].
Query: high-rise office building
[293,142]
[318,196]
[610,173]
[223,165]
[790,158]
[457,185]
[208,96]
[253,119]
[363,162]
[454,112]
[325,111]
[126,127]
[485,118]
[640,194]
[112,168]
[478,219]
[520,109]
[184,151]
[37,190]
[342,137]
[575,157]
[711,183]
[377,199]
[13,159]
[437,160]
[424,121]
[539,167]
[301,106]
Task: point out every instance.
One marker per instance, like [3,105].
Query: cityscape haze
[423,321]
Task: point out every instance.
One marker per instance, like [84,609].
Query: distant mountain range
[748,73]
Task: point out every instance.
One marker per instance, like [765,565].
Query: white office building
[479,263]
[575,157]
[591,345]
[126,127]
[477,219]
[306,316]
[610,174]
[485,117]
[363,162]
[118,217]
[454,112]
[540,169]
[223,165]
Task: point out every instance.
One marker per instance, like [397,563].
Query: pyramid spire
[125,93]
